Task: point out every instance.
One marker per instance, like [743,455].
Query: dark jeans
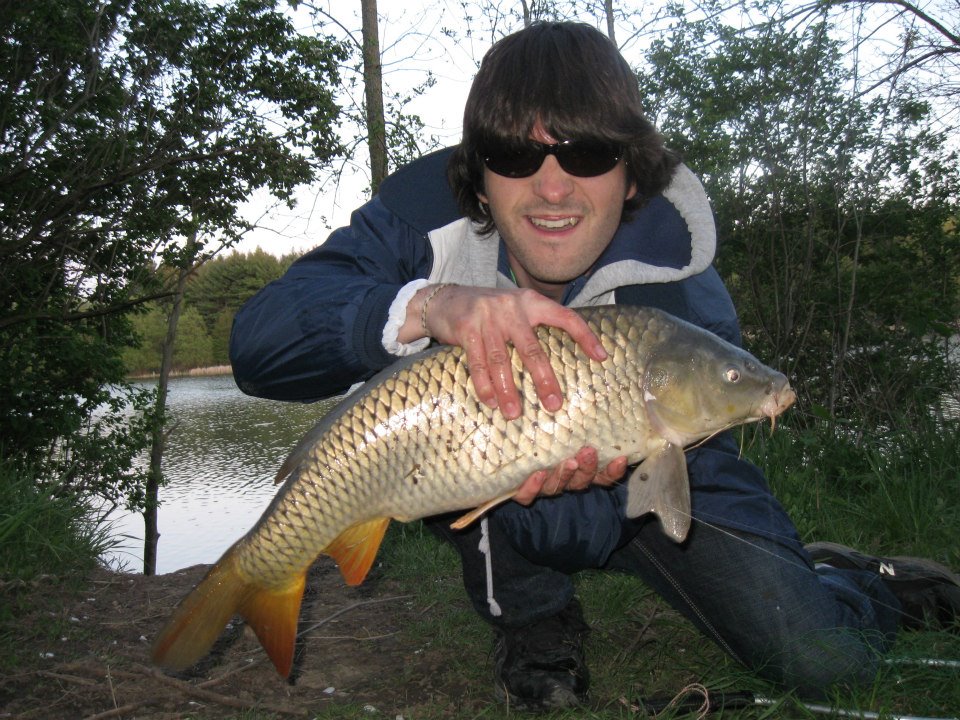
[755,593]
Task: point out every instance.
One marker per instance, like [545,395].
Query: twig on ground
[354,637]
[629,649]
[75,679]
[185,688]
[348,608]
[209,696]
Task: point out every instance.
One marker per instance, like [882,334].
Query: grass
[895,493]
[640,648]
[45,532]
[47,540]
[898,494]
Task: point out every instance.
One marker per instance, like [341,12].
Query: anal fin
[356,548]
[477,512]
[660,485]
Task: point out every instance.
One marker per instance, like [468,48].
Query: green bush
[51,531]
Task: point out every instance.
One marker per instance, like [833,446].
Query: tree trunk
[527,18]
[611,27]
[151,531]
[373,90]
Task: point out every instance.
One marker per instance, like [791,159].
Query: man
[562,194]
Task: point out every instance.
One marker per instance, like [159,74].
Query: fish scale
[416,442]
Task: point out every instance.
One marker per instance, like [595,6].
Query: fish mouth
[777,402]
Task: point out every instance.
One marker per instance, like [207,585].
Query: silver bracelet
[423,309]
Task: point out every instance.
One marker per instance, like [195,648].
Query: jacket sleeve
[318,330]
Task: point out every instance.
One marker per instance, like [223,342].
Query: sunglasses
[581,158]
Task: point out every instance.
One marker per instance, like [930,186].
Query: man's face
[555,225]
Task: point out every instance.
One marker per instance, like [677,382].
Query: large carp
[415,442]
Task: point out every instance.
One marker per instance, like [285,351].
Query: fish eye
[732,375]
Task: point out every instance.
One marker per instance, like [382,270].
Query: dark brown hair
[571,78]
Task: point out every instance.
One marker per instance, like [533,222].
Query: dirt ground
[86,655]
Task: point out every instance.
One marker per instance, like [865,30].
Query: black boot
[541,666]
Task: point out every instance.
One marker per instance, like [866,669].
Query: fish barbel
[415,441]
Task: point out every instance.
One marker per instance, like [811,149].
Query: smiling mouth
[554,223]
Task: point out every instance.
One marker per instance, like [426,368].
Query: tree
[375,113]
[213,294]
[193,347]
[132,131]
[897,42]
[830,207]
[373,92]
[220,286]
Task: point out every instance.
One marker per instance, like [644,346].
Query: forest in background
[213,295]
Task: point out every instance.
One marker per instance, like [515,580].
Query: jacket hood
[670,238]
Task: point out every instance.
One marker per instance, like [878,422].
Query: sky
[407,56]
[446,38]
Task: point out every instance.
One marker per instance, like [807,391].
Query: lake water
[220,463]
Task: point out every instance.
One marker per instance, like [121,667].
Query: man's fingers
[576,473]
[479,370]
[531,487]
[535,359]
[586,469]
[579,330]
[613,472]
[538,365]
[486,322]
[560,477]
[504,384]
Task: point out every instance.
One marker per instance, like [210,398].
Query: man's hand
[484,322]
[576,473]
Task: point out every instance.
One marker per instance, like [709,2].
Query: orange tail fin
[202,615]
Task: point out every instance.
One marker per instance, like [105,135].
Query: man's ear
[631,191]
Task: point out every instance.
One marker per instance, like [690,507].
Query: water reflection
[220,463]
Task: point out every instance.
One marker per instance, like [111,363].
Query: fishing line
[719,701]
[734,536]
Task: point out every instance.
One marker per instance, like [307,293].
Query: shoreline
[192,372]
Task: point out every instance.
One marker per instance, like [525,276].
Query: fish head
[697,384]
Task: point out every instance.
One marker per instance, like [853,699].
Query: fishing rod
[717,701]
[697,699]
[929,662]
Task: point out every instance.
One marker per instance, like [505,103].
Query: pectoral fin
[660,485]
[476,513]
[356,547]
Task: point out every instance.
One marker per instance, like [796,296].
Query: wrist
[401,333]
[430,294]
